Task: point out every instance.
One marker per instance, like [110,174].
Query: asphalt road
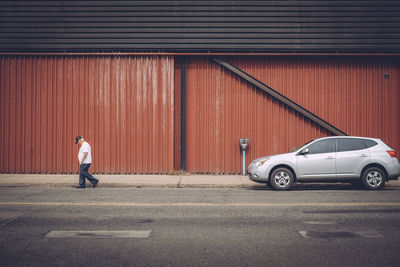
[308,226]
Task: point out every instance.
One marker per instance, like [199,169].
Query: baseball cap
[78,138]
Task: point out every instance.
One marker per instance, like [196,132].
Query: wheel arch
[376,165]
[282,166]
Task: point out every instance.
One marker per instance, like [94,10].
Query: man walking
[85,159]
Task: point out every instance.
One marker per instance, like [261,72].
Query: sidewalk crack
[179,183]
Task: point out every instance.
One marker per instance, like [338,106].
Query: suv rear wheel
[373,178]
[281,179]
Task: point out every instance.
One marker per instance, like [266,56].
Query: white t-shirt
[85,147]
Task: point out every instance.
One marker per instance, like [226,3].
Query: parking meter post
[244,143]
[244,162]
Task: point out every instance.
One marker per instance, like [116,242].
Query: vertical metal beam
[183,63]
[281,98]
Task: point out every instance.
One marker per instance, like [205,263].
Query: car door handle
[363,156]
[330,157]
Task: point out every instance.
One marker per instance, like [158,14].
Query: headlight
[261,162]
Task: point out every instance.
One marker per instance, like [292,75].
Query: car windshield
[297,148]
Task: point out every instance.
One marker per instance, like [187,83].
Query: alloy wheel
[374,179]
[282,179]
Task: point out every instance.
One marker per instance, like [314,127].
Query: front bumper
[254,174]
[252,177]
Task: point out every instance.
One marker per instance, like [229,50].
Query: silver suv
[357,160]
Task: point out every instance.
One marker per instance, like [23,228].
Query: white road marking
[370,234]
[342,234]
[303,233]
[320,222]
[99,234]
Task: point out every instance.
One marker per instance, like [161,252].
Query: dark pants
[83,172]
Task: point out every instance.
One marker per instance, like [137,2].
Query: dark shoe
[80,187]
[94,185]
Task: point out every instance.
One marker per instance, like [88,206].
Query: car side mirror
[304,151]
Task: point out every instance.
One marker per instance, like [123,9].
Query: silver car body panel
[306,166]
[333,166]
[349,164]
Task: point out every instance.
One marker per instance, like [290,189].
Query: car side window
[350,144]
[369,143]
[323,146]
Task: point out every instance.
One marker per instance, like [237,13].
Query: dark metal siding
[238,26]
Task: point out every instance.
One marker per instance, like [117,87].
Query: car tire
[373,178]
[281,179]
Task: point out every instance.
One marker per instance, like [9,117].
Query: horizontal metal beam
[281,98]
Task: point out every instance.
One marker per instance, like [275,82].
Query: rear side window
[323,146]
[369,143]
[349,144]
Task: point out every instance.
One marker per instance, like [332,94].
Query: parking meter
[244,144]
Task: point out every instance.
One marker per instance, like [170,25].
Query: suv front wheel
[373,178]
[281,179]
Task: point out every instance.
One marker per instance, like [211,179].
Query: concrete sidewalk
[172,181]
[161,181]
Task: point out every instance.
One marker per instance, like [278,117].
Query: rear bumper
[393,169]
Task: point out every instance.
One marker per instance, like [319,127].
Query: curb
[312,186]
[121,185]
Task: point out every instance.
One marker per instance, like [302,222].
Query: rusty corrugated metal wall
[351,93]
[128,108]
[123,106]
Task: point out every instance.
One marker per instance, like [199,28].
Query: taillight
[392,153]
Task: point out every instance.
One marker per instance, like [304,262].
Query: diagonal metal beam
[281,98]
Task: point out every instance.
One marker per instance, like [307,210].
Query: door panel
[317,166]
[351,157]
[348,163]
[319,162]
